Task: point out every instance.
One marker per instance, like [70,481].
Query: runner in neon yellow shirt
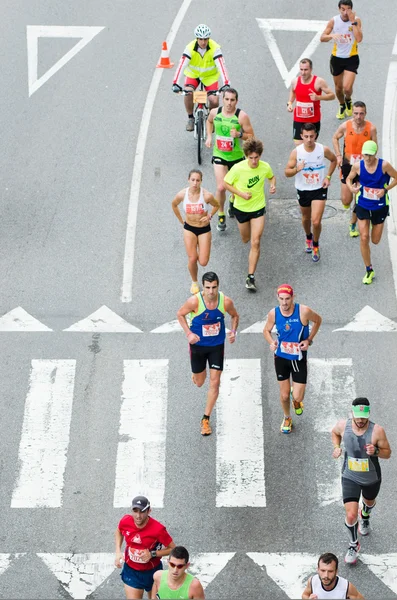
[246,181]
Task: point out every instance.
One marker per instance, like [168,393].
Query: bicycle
[200,114]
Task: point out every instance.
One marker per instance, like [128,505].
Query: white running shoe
[352,554]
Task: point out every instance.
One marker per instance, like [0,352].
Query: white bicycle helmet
[202,32]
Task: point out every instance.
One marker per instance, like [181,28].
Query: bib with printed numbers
[196,208]
[312,178]
[370,193]
[211,330]
[355,158]
[224,144]
[345,38]
[291,348]
[358,464]
[135,555]
[305,110]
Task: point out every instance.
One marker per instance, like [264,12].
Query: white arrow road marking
[240,467]
[290,571]
[34,32]
[45,435]
[20,320]
[384,566]
[208,565]
[368,319]
[80,574]
[140,467]
[103,320]
[7,559]
[255,328]
[269,25]
[170,327]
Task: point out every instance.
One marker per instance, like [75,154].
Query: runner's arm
[291,168]
[118,542]
[176,201]
[326,35]
[332,160]
[308,589]
[357,31]
[292,96]
[353,593]
[156,582]
[325,91]
[337,433]
[166,550]
[231,310]
[246,126]
[374,134]
[272,184]
[233,190]
[355,170]
[382,443]
[387,168]
[190,305]
[308,315]
[210,126]
[210,199]
[267,330]
[184,61]
[196,591]
[339,133]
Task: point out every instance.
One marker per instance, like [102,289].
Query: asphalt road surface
[80,397]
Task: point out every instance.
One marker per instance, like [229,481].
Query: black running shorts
[338,65]
[377,217]
[286,367]
[243,217]
[351,491]
[306,197]
[200,355]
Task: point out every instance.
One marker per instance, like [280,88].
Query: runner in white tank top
[199,207]
[326,584]
[344,30]
[307,164]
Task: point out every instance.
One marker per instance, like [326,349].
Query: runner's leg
[132,593]
[348,82]
[376,233]
[213,390]
[220,172]
[204,248]
[306,219]
[363,226]
[191,241]
[257,227]
[338,82]
[317,209]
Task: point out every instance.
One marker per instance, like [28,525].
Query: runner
[246,182]
[231,125]
[196,227]
[345,31]
[372,199]
[327,583]
[147,541]
[308,90]
[307,164]
[356,131]
[176,582]
[364,444]
[206,337]
[202,60]
[290,349]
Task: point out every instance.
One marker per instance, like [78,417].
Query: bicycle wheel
[199,130]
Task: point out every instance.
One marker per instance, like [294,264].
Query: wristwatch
[354,23]
[153,553]
[377,450]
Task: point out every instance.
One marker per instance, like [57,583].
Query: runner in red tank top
[308,91]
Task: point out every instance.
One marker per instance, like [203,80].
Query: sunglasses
[174,566]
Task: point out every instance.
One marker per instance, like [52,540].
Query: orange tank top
[354,142]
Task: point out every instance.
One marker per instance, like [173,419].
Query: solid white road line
[129,249]
[240,465]
[140,467]
[389,153]
[332,390]
[45,435]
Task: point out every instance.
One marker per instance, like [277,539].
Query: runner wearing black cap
[146,542]
[290,349]
[364,443]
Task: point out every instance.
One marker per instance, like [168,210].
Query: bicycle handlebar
[209,93]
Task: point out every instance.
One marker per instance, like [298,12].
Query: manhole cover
[294,211]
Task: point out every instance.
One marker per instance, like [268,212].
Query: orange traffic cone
[164,62]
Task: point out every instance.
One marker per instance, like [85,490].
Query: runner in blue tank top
[291,321]
[364,443]
[372,199]
[206,336]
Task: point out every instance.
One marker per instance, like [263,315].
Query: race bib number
[195,209]
[305,110]
[291,348]
[358,464]
[135,555]
[211,330]
[312,178]
[355,158]
[345,38]
[224,144]
[370,193]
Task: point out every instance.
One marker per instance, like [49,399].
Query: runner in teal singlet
[230,126]
[176,582]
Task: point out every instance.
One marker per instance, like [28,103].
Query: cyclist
[202,60]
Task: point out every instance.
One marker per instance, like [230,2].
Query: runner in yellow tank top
[346,33]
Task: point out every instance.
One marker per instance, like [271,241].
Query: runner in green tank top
[176,582]
[230,126]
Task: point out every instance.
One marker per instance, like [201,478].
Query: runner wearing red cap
[290,349]
[146,542]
